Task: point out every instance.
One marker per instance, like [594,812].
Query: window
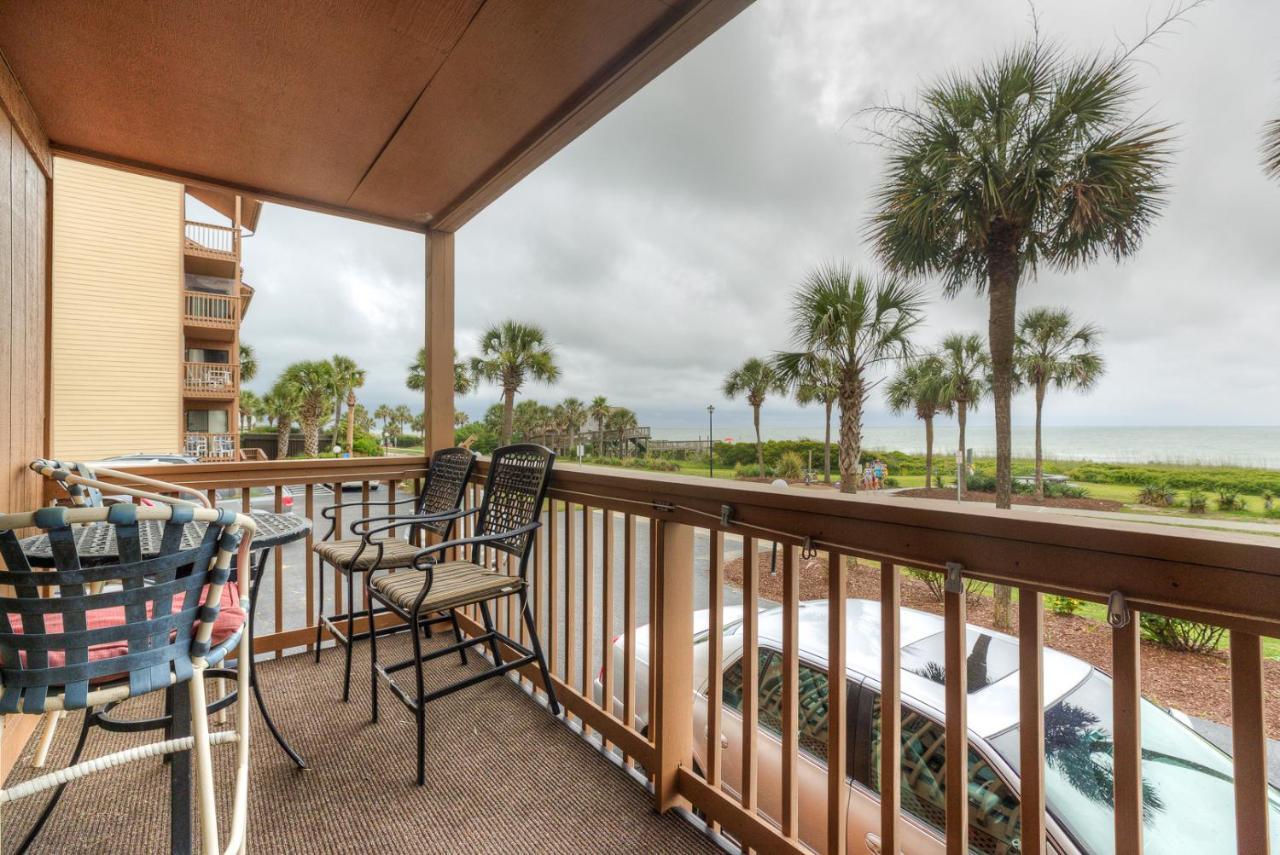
[994,826]
[813,697]
[218,357]
[207,421]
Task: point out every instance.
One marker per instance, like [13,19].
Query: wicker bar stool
[160,623]
[509,514]
[435,509]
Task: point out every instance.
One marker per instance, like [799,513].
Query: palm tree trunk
[311,436]
[508,410]
[755,412]
[351,421]
[1039,450]
[826,448]
[283,429]
[337,420]
[851,395]
[1002,268]
[962,471]
[928,452]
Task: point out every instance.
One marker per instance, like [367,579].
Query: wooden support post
[673,724]
[1031,717]
[1126,676]
[957,746]
[439,342]
[890,708]
[1249,743]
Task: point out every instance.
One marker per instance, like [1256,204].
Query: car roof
[992,706]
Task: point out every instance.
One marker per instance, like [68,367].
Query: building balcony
[205,313]
[205,240]
[210,380]
[211,447]
[615,561]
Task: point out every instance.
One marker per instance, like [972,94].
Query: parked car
[260,499]
[1187,781]
[128,461]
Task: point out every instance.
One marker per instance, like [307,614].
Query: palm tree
[248,363]
[819,383]
[1051,349]
[463,382]
[965,370]
[314,381]
[1035,158]
[572,416]
[1271,148]
[401,417]
[858,324]
[347,377]
[250,405]
[364,421]
[754,380]
[459,419]
[599,412]
[918,388]
[622,420]
[281,406]
[383,414]
[510,353]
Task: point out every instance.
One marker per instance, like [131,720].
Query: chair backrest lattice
[447,478]
[142,634]
[513,495]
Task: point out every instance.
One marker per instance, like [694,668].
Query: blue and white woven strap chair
[154,628]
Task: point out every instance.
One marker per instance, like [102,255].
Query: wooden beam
[1126,705]
[19,110]
[673,726]
[1249,743]
[439,342]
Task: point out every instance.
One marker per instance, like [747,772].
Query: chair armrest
[424,554]
[328,513]
[395,521]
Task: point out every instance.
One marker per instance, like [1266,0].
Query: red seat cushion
[230,618]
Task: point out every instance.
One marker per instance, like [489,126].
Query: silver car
[1187,782]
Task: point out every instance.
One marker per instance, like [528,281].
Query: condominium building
[146,309]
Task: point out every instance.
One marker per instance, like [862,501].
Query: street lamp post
[711,439]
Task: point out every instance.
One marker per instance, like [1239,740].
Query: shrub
[1065,491]
[367,446]
[1063,605]
[1228,500]
[892,482]
[938,481]
[936,582]
[1177,634]
[749,470]
[980,483]
[1272,513]
[1196,502]
[790,466]
[1268,501]
[1156,495]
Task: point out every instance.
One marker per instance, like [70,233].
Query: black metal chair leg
[320,613]
[57,794]
[373,656]
[488,627]
[457,635]
[421,709]
[552,703]
[351,633]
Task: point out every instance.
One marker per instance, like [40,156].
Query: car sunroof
[990,658]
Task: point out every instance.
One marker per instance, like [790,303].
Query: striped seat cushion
[453,584]
[396,553]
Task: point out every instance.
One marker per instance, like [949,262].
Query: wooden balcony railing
[219,311]
[210,379]
[210,241]
[210,446]
[617,552]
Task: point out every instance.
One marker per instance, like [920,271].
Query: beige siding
[117,334]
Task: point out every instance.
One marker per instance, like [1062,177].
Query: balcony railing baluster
[957,730]
[588,602]
[750,673]
[1031,718]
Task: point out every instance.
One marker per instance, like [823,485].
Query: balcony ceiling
[408,112]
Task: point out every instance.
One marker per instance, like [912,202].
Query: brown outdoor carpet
[502,776]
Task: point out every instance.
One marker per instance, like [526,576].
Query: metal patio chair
[509,514]
[160,624]
[435,510]
[196,446]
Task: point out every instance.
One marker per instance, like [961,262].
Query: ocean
[1210,446]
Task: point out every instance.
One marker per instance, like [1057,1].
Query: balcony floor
[502,776]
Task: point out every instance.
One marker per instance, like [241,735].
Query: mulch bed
[1199,684]
[990,499]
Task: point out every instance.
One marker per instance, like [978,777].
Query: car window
[994,824]
[813,697]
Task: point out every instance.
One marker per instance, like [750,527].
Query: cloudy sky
[660,248]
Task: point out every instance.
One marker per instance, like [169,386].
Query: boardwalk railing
[616,558]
